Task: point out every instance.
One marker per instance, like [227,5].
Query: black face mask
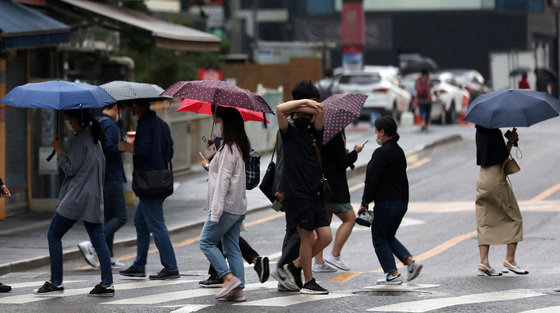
[302,123]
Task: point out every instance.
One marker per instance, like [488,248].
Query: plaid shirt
[226,183]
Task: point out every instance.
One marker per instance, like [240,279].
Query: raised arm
[304,106]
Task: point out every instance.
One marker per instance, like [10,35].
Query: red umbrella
[341,110]
[206,108]
[218,92]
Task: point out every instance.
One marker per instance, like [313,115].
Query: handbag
[153,184]
[365,218]
[267,182]
[325,190]
[510,166]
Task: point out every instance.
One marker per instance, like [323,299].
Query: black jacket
[386,178]
[335,161]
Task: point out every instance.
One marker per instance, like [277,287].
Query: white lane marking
[404,223]
[291,300]
[439,303]
[184,294]
[40,283]
[27,298]
[550,309]
[188,308]
[402,287]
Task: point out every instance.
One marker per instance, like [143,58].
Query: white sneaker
[88,252]
[390,280]
[336,262]
[414,270]
[116,264]
[322,268]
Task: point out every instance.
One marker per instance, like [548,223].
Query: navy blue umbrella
[58,95]
[512,108]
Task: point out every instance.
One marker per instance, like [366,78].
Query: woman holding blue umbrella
[80,198]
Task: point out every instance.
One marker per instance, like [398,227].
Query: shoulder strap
[102,119]
[319,158]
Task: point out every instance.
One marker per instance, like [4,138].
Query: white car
[381,85]
[451,99]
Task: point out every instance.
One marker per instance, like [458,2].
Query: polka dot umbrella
[218,92]
[341,110]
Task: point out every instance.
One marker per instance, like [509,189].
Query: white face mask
[379,141]
[218,130]
[68,125]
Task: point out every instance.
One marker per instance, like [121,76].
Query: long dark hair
[233,130]
[389,125]
[86,121]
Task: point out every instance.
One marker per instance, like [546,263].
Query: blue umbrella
[58,95]
[512,108]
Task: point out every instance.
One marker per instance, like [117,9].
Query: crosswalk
[191,298]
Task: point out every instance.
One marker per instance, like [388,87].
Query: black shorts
[306,213]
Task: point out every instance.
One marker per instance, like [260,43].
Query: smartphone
[201,156]
[364,143]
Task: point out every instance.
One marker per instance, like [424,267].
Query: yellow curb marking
[545,194]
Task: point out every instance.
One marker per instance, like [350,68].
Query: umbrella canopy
[419,64]
[218,92]
[512,108]
[124,91]
[206,108]
[519,71]
[58,95]
[548,71]
[341,110]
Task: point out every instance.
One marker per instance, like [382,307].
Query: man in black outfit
[4,192]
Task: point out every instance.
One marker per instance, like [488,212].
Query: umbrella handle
[49,158]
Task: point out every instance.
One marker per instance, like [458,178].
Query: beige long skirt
[498,218]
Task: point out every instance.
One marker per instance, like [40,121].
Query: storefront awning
[167,35]
[22,27]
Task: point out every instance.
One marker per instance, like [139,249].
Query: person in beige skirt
[498,218]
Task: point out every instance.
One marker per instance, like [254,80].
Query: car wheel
[451,115]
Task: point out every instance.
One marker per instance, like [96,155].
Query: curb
[74,252]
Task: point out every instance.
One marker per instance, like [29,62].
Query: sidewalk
[23,239]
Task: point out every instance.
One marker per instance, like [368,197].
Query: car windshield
[436,81]
[360,79]
[461,77]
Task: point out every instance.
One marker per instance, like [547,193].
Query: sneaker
[133,272]
[390,280]
[312,288]
[101,291]
[236,294]
[5,288]
[116,264]
[262,268]
[294,274]
[414,270]
[280,275]
[227,288]
[49,288]
[88,252]
[336,262]
[165,274]
[322,268]
[211,282]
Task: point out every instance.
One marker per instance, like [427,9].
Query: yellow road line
[545,194]
[421,257]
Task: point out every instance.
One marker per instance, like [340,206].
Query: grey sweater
[81,193]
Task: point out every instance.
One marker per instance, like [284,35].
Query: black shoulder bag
[325,190]
[267,182]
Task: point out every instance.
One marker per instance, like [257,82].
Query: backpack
[252,170]
[422,89]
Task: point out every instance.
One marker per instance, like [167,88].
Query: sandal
[488,271]
[508,267]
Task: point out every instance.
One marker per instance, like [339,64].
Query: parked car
[471,80]
[451,98]
[381,84]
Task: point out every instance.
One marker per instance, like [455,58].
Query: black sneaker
[101,291]
[49,288]
[294,274]
[5,288]
[165,274]
[312,288]
[133,272]
[211,282]
[262,268]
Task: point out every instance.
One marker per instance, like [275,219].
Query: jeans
[227,230]
[386,220]
[425,112]
[148,218]
[58,227]
[247,252]
[115,210]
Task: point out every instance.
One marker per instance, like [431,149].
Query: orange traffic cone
[465,104]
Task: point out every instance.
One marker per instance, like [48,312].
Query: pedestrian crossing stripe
[552,309]
[28,298]
[40,283]
[188,308]
[401,287]
[285,301]
[440,303]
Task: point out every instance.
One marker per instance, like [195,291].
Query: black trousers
[290,247]
[247,252]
